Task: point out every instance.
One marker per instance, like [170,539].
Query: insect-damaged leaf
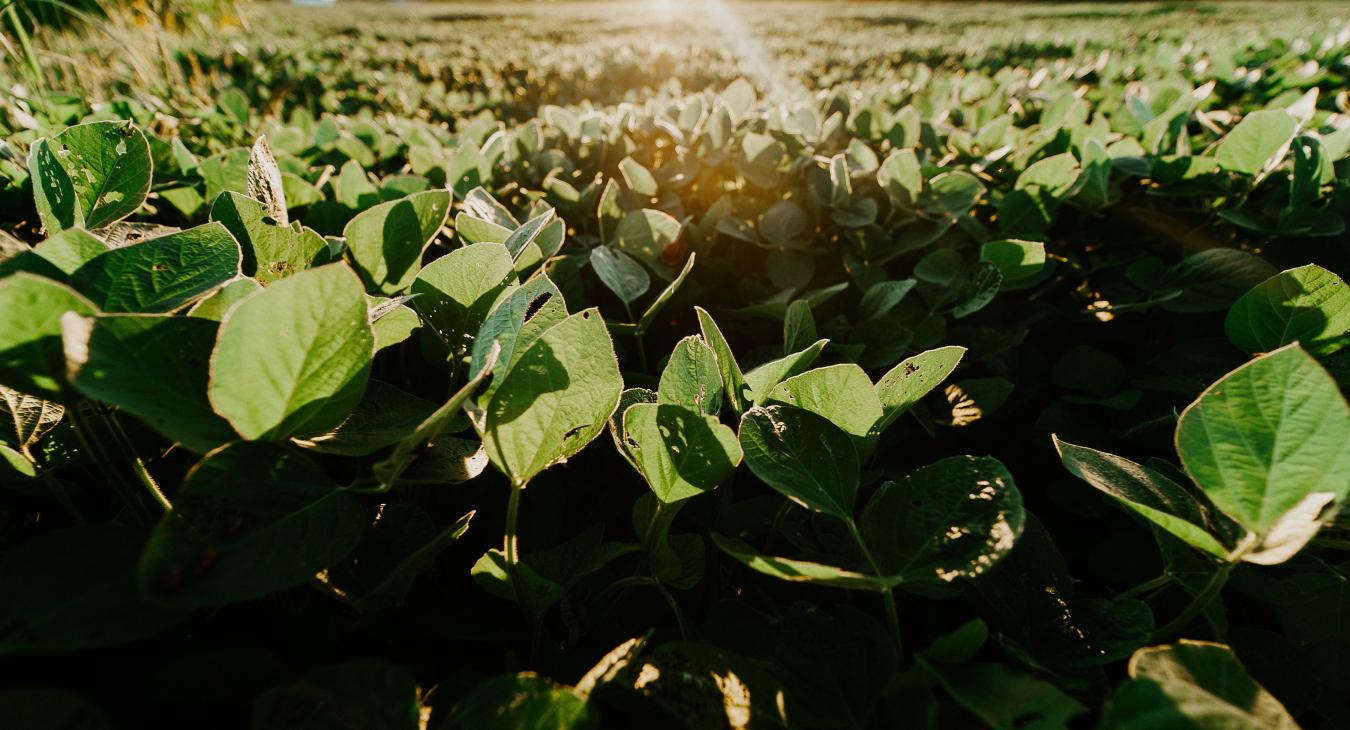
[679,451]
[386,242]
[160,274]
[691,378]
[272,250]
[249,520]
[1267,443]
[556,396]
[952,519]
[295,356]
[106,166]
[803,456]
[264,181]
[908,382]
[841,393]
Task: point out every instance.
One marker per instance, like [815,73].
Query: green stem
[1198,604]
[105,465]
[511,549]
[1146,586]
[137,464]
[637,338]
[887,594]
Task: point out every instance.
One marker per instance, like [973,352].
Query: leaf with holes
[803,456]
[556,397]
[955,518]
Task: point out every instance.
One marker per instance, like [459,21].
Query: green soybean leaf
[801,571]
[47,616]
[1211,280]
[161,274]
[681,452]
[1031,204]
[555,398]
[519,317]
[620,273]
[475,230]
[31,356]
[1193,684]
[521,701]
[645,235]
[803,456]
[293,357]
[250,519]
[70,249]
[955,518]
[1267,444]
[638,178]
[1147,492]
[1258,141]
[761,380]
[526,235]
[901,177]
[782,223]
[841,393]
[53,192]
[732,380]
[455,293]
[219,302]
[385,416]
[386,242]
[154,367]
[272,250]
[391,320]
[1003,697]
[952,193]
[1308,305]
[431,427]
[365,693]
[109,166]
[691,377]
[654,309]
[908,382]
[1014,259]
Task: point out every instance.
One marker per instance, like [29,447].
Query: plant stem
[637,338]
[104,464]
[887,594]
[137,464]
[1197,605]
[1146,586]
[511,550]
